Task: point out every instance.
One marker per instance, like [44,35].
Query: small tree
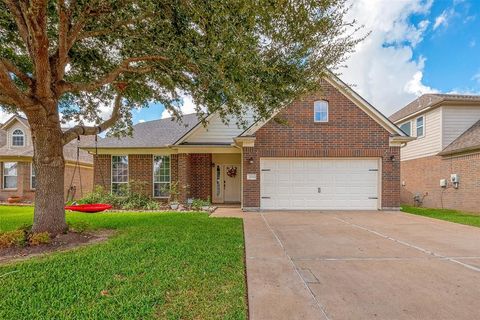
[66,60]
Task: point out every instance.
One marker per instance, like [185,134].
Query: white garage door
[319,184]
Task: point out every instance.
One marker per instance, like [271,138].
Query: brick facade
[140,173]
[102,172]
[27,194]
[349,132]
[422,176]
[192,171]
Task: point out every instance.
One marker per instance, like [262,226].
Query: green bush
[132,197]
[197,204]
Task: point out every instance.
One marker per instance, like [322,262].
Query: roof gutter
[458,151]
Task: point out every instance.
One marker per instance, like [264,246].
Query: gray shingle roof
[429,100]
[467,141]
[156,133]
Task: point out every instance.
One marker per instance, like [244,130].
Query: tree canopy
[82,54]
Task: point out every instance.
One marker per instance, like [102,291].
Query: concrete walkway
[359,265]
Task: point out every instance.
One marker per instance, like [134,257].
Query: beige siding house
[447,143]
[17,173]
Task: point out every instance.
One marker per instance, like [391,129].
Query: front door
[226,183]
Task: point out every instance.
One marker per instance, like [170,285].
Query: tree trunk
[49,163]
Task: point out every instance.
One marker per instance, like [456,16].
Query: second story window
[407,128]
[320,111]
[420,126]
[18,138]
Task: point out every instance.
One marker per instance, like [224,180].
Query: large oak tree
[65,60]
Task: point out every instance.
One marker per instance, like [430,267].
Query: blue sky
[452,49]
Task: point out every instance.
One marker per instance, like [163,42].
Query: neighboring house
[16,153]
[328,150]
[447,128]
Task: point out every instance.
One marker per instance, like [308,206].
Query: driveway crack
[320,306]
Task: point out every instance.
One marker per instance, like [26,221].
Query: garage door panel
[295,183]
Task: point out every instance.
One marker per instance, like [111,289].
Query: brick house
[17,174]
[327,150]
[447,128]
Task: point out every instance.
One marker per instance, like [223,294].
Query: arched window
[320,111]
[18,138]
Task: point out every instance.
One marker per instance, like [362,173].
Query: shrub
[36,239]
[132,197]
[197,204]
[13,238]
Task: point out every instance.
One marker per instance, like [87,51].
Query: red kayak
[90,208]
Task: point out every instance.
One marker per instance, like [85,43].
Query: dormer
[17,132]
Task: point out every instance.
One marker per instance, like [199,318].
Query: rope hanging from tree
[90,208]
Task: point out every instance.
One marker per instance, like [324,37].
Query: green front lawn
[158,265]
[445,214]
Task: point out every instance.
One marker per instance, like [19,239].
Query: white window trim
[18,135]
[3,176]
[410,133]
[111,171]
[153,174]
[314,112]
[31,176]
[423,127]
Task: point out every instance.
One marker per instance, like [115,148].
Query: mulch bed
[62,242]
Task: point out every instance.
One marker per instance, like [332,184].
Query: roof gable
[467,141]
[352,96]
[15,119]
[216,131]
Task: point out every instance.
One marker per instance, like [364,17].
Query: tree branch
[110,77]
[10,90]
[15,9]
[79,130]
[17,72]
[35,16]
[63,28]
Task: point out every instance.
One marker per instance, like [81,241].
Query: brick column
[183,177]
[200,172]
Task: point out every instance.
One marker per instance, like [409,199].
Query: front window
[119,174]
[18,138]
[320,111]
[161,176]
[407,128]
[420,126]
[10,175]
[33,180]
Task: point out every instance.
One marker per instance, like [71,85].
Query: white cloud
[476,77]
[141,121]
[4,116]
[383,68]
[188,106]
[440,20]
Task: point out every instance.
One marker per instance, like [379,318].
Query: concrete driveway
[360,265]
